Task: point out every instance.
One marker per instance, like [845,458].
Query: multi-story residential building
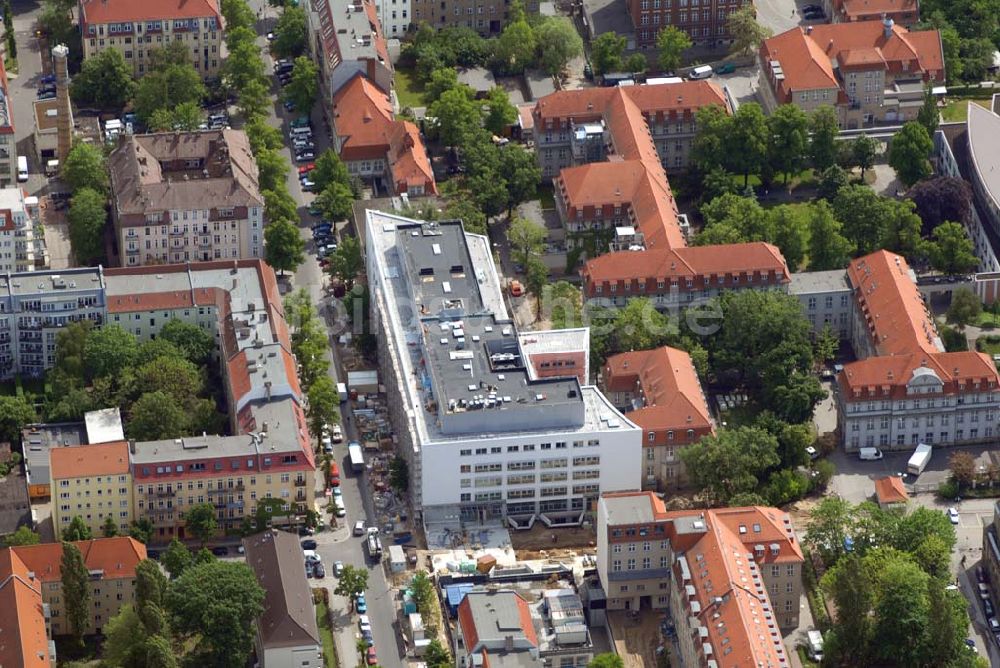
[35,306]
[183,196]
[110,561]
[706,23]
[24,616]
[991,552]
[577,127]
[904,12]
[347,39]
[905,389]
[22,240]
[92,482]
[487,17]
[729,578]
[394,17]
[685,276]
[501,441]
[376,146]
[496,622]
[659,390]
[287,634]
[8,144]
[869,71]
[136,29]
[827,299]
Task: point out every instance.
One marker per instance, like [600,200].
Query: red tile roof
[367,130]
[89,460]
[807,55]
[903,337]
[738,265]
[670,388]
[95,12]
[890,489]
[114,557]
[23,639]
[862,10]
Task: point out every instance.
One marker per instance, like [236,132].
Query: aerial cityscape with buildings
[612,333]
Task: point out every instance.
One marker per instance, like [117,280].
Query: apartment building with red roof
[136,28]
[111,563]
[660,391]
[869,71]
[902,12]
[375,145]
[26,637]
[495,628]
[94,483]
[905,389]
[346,39]
[731,578]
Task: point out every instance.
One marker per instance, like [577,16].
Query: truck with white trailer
[919,459]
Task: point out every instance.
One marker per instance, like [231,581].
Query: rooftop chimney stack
[64,119]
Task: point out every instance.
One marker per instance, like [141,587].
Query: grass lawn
[326,635]
[409,91]
[987,320]
[957,110]
[806,661]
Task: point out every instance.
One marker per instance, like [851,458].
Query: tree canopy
[909,153]
[105,81]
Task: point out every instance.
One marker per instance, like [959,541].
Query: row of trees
[890,587]
[161,385]
[969,32]
[548,42]
[855,221]
[311,348]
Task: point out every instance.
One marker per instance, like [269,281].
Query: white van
[701,72]
[869,454]
[815,639]
[22,168]
[300,132]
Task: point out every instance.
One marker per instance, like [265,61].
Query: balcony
[163,493]
[131,251]
[204,242]
[300,483]
[301,496]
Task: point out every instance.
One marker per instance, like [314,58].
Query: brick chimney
[64,120]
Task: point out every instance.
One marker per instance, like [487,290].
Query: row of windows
[929,421]
[530,447]
[915,437]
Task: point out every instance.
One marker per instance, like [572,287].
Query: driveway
[780,15]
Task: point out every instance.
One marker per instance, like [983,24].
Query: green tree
[536,277]
[709,150]
[159,653]
[85,167]
[501,114]
[848,586]
[200,522]
[526,239]
[108,351]
[353,581]
[141,530]
[831,180]
[457,116]
[324,403]
[253,102]
[75,591]
[558,43]
[330,169]
[175,376]
[23,536]
[790,232]
[436,656]
[515,48]
[302,89]
[177,558]
[862,212]
[215,604]
[789,135]
[105,81]
[639,326]
[731,462]
[346,262]
[740,213]
[746,32]
[863,153]
[156,416]
[291,33]
[909,153]
[671,43]
[196,344]
[399,474]
[462,207]
[785,486]
[606,53]
[747,141]
[15,412]
[77,530]
[828,248]
[829,523]
[929,116]
[443,79]
[109,529]
[150,584]
[965,307]
[940,199]
[262,135]
[124,639]
[87,219]
[520,175]
[607,660]
[825,128]
[284,248]
[172,81]
[901,612]
[951,250]
[237,13]
[636,63]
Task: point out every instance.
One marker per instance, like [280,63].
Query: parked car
[953,516]
[308,184]
[360,604]
[338,568]
[814,16]
[309,544]
[980,574]
[359,528]
[270,37]
[337,491]
[371,657]
[338,435]
[48,95]
[984,591]
[309,569]
[306,156]
[305,169]
[289,105]
[364,621]
[319,571]
[300,122]
[988,607]
[994,624]
[311,555]
[47,79]
[220,550]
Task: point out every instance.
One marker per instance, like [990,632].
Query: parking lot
[780,15]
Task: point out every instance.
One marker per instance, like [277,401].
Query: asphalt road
[336,544]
